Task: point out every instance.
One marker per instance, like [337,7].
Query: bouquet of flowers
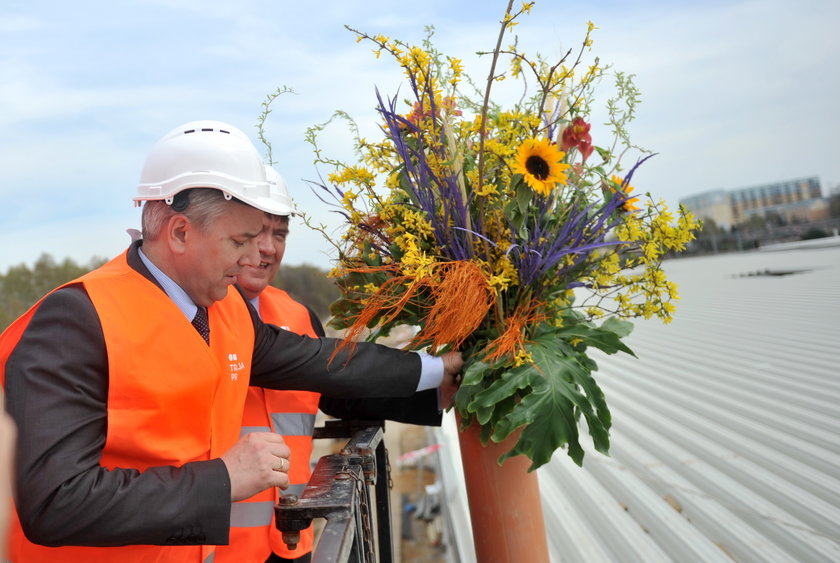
[508,233]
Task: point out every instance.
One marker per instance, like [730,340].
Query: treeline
[310,286]
[21,286]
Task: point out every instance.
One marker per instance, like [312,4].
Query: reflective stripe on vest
[245,430]
[295,490]
[250,514]
[205,406]
[293,423]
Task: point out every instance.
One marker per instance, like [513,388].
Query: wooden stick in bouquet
[504,500]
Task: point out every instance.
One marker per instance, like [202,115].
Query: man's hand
[256,462]
[452,364]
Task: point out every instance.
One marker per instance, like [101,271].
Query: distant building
[792,201]
[716,205]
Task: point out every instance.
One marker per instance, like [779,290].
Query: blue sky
[734,94]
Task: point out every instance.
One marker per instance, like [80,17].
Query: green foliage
[310,286]
[266,110]
[622,110]
[21,286]
[546,397]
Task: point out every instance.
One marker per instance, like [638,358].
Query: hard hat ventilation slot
[206,129]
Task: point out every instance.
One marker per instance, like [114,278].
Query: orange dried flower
[461,301]
[512,341]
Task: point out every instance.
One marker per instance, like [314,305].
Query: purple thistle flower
[437,196]
[582,232]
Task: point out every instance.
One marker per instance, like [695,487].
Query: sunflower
[538,160]
[630,204]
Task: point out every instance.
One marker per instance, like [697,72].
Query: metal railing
[339,491]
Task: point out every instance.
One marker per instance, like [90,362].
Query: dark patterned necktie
[201,323]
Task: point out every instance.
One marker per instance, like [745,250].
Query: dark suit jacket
[57,389]
[421,408]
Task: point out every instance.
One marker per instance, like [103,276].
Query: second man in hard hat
[254,536]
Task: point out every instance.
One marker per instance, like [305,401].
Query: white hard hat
[207,154]
[279,192]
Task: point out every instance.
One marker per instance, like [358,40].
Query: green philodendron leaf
[464,396]
[606,340]
[562,388]
[482,414]
[485,435]
[475,373]
[491,412]
[588,363]
[508,384]
[594,409]
[564,347]
[554,392]
[524,413]
[618,326]
[536,438]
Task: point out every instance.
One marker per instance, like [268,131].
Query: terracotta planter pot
[505,508]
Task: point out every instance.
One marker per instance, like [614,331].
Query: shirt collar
[172,289]
[256,303]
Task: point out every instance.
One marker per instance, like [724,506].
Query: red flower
[585,147]
[577,135]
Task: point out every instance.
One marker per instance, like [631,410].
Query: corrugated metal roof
[726,430]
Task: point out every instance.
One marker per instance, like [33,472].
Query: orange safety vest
[181,383]
[253,535]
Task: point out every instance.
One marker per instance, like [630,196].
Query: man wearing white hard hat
[254,535]
[128,384]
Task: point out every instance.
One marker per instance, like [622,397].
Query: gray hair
[203,206]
